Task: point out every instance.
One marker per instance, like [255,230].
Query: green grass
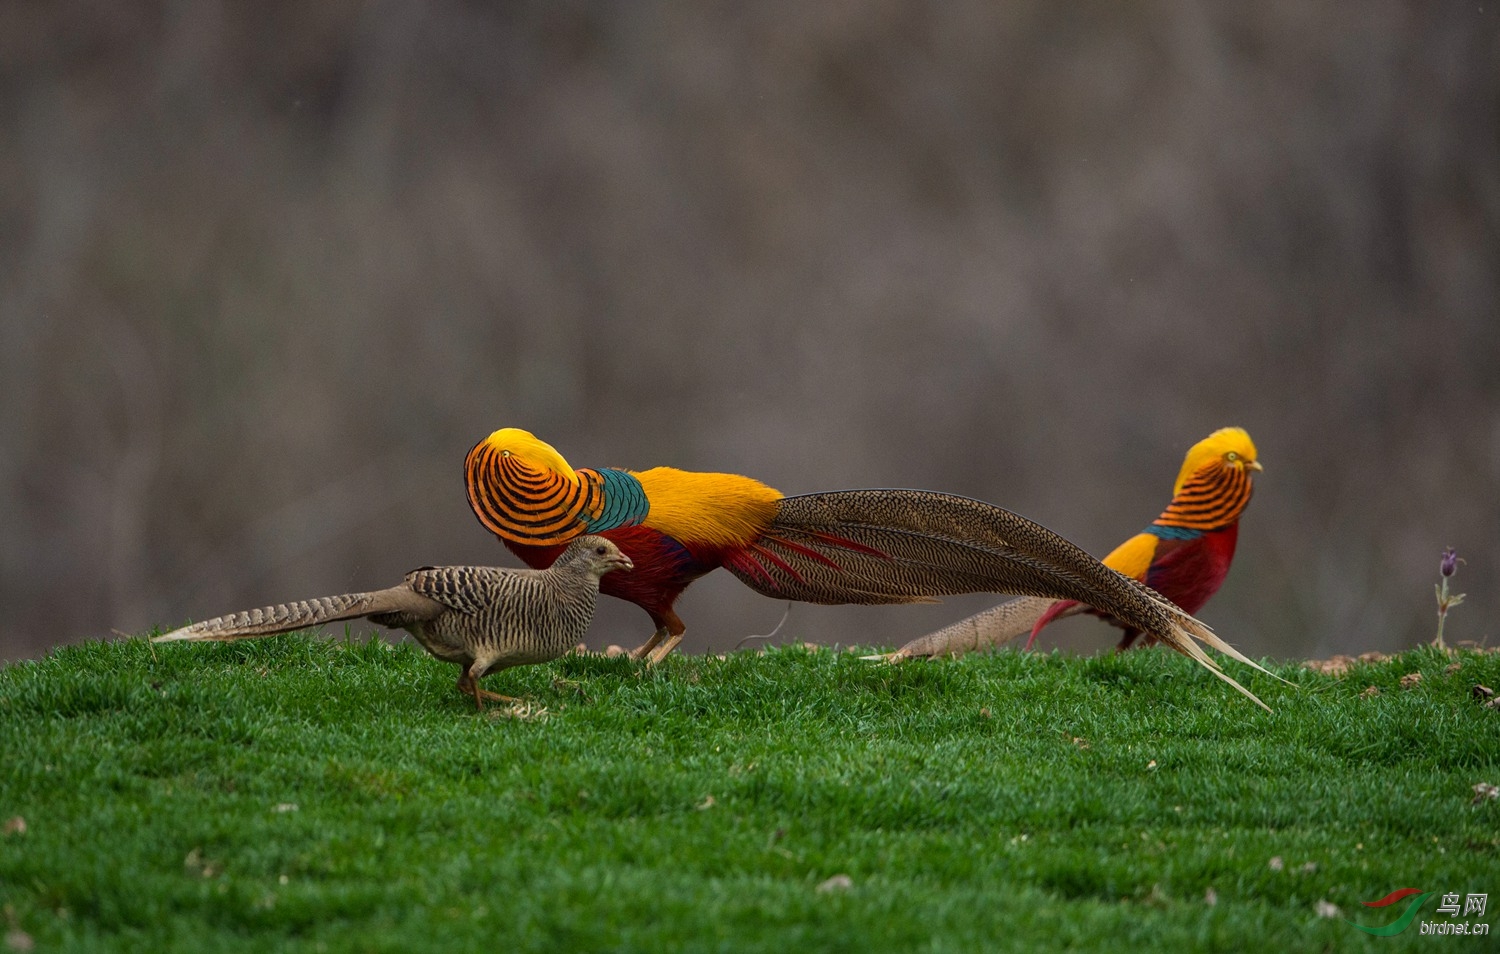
[1013,801]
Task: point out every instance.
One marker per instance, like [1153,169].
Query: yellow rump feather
[1133,557]
[723,510]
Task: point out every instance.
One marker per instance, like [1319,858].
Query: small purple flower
[1446,600]
[1449,566]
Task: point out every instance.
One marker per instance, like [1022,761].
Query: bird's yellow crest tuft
[1227,447]
[532,450]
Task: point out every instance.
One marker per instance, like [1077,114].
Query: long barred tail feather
[903,545]
[1200,630]
[287,617]
[993,627]
[899,546]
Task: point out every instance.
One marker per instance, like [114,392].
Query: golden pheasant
[483,618]
[856,546]
[1184,554]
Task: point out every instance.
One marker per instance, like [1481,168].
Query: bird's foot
[497,697]
[469,686]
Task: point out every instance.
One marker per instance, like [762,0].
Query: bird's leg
[675,629]
[640,651]
[665,649]
[669,630]
[1127,639]
[469,686]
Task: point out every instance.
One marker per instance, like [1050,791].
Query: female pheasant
[483,618]
[1184,554]
[857,546]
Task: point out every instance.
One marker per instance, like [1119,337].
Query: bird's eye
[505,453]
[1231,456]
[599,550]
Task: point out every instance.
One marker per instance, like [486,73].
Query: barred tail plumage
[897,546]
[903,546]
[993,627]
[287,617]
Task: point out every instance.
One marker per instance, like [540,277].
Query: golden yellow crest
[530,449]
[1228,446]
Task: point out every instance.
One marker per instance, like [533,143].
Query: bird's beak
[624,563]
[1253,465]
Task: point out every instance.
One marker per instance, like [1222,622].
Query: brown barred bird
[1184,554]
[483,618]
[854,546]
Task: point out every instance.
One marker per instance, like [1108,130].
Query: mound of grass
[293,794]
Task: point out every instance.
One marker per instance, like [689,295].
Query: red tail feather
[1053,612]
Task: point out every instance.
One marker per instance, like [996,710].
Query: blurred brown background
[269,269]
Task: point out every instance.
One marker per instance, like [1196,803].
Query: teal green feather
[625,503]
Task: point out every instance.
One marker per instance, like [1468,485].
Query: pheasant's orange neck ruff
[1213,497]
[530,505]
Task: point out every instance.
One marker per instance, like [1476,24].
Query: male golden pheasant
[856,546]
[1184,554]
[483,618]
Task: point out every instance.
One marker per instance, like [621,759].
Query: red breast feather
[1189,572]
[663,567]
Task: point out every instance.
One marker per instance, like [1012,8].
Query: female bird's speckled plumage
[859,546]
[1184,554]
[483,618]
